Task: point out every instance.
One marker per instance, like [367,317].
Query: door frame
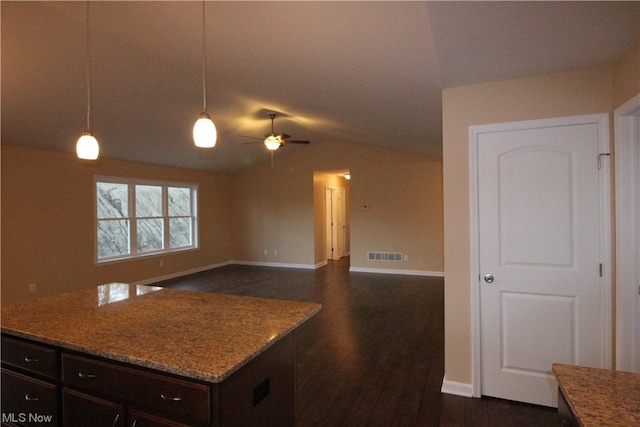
[627,175]
[602,122]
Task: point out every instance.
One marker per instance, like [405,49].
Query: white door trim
[602,122]
[627,159]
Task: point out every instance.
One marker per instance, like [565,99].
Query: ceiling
[358,72]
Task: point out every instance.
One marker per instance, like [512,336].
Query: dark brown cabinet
[81,410]
[565,416]
[170,397]
[75,389]
[28,401]
[29,383]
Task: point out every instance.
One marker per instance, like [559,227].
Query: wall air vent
[384,256]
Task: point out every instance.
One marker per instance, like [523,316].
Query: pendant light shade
[204,131]
[87,147]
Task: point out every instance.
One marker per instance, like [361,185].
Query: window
[137,218]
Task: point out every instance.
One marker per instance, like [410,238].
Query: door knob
[488,278]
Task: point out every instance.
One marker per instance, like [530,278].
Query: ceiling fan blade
[284,136]
[294,141]
[251,137]
[251,142]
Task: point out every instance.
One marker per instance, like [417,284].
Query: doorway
[336,225]
[332,218]
[541,253]
[627,170]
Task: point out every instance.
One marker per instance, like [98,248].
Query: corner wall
[274,207]
[556,95]
[48,223]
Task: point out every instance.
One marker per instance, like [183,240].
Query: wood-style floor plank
[374,355]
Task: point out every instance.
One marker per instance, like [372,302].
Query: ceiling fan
[273,140]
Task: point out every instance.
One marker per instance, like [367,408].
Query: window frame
[133,218]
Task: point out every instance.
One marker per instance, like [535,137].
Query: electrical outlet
[406,258]
[265,252]
[161,263]
[275,252]
[32,287]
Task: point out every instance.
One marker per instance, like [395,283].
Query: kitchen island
[597,397]
[153,356]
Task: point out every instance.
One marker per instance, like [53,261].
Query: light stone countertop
[203,336]
[600,397]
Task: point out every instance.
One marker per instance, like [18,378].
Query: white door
[329,219]
[540,218]
[342,222]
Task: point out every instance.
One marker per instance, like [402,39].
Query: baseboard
[397,271]
[274,264]
[321,264]
[181,273]
[458,389]
[286,265]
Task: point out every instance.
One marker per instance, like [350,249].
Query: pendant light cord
[88,71]
[204,62]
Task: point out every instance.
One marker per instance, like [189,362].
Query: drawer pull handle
[83,375]
[31,359]
[172,398]
[31,398]
[115,421]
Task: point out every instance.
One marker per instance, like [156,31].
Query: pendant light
[87,147]
[204,131]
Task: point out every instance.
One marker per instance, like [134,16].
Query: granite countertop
[600,397]
[204,336]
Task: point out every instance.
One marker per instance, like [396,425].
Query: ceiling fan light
[272,142]
[204,132]
[87,147]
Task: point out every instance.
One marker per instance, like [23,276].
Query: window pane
[113,238]
[112,200]
[179,201]
[180,232]
[148,201]
[150,234]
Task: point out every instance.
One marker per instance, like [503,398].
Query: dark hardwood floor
[374,355]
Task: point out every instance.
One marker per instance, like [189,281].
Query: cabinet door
[82,410]
[142,419]
[28,401]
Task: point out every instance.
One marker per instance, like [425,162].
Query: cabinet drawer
[34,358]
[28,401]
[155,393]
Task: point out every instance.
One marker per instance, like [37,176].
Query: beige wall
[626,76]
[48,223]
[403,191]
[48,215]
[557,95]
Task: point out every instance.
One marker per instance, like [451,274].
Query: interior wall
[556,95]
[403,191]
[626,76]
[48,223]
